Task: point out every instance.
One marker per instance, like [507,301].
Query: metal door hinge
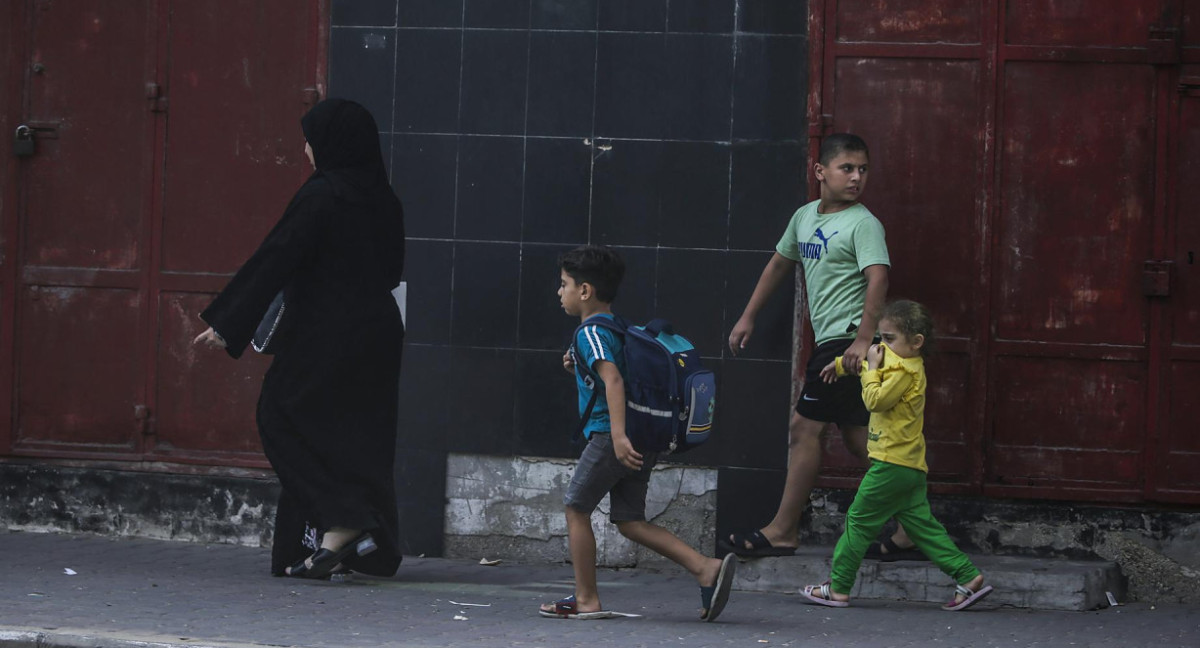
[158,103]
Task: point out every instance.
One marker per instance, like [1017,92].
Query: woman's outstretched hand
[210,338]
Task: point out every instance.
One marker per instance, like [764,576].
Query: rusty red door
[84,211]
[167,142]
[1177,453]
[234,155]
[1020,153]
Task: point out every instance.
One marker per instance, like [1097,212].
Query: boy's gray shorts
[599,472]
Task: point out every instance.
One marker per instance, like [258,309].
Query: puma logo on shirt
[815,250]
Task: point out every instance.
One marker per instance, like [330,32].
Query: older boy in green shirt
[840,246]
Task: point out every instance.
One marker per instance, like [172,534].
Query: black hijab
[345,144]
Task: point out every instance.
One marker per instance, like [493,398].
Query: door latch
[1156,278]
[23,144]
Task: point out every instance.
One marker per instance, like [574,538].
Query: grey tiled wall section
[673,130]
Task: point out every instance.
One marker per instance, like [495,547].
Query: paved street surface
[126,591]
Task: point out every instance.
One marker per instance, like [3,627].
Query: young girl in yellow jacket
[893,389]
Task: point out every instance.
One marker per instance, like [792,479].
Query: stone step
[1037,583]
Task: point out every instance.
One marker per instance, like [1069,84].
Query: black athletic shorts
[840,402]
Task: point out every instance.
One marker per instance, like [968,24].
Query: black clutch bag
[267,336]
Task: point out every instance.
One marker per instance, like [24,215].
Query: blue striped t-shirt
[592,344]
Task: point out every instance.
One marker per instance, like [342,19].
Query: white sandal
[825,597]
[969,598]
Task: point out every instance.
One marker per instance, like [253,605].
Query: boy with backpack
[610,464]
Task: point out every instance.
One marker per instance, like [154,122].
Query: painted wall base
[232,510]
[511,508]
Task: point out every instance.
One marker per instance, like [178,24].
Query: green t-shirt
[834,249]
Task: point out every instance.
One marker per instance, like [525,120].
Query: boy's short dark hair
[597,265]
[838,143]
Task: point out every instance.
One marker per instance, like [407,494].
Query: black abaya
[328,407]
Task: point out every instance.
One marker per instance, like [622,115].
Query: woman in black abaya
[327,411]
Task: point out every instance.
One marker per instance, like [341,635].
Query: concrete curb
[1055,584]
[28,638]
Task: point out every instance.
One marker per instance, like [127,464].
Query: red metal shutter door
[79,376]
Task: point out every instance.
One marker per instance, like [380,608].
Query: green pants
[889,491]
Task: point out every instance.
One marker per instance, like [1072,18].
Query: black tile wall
[769,87]
[497,14]
[626,193]
[490,173]
[698,84]
[483,392]
[767,185]
[517,129]
[558,178]
[486,281]
[424,175]
[691,294]
[428,13]
[633,15]
[429,271]
[494,69]
[637,297]
[547,407]
[361,62]
[694,189]
[385,149]
[631,82]
[374,13]
[714,16]
[563,14]
[772,337]
[543,324]
[428,62]
[753,409]
[562,83]
[772,17]
[425,396]
[420,500]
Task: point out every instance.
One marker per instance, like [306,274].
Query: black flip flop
[714,597]
[759,545]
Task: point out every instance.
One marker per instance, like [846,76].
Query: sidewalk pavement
[133,592]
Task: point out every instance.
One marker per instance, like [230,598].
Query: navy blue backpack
[669,396]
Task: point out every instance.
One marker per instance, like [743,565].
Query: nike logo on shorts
[809,398]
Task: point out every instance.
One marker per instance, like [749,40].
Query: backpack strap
[657,326]
[616,325]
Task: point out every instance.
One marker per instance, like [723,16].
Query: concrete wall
[511,508]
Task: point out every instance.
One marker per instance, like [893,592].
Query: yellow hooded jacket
[895,395]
